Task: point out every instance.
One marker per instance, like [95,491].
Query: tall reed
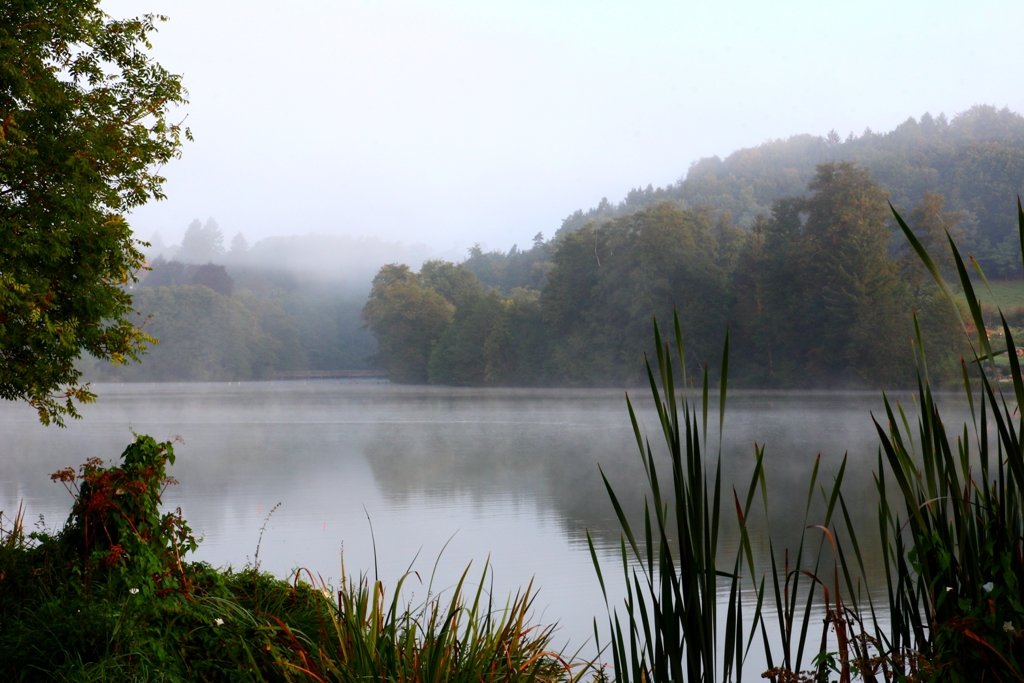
[669,629]
[953,528]
[950,522]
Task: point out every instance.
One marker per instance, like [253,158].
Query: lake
[387,478]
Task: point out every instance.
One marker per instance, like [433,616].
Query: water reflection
[383,474]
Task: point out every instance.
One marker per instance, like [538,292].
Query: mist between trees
[810,277]
[283,307]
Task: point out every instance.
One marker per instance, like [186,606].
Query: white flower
[218,622]
[133,591]
[987,587]
[1008,627]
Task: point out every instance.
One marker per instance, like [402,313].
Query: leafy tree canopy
[407,317]
[84,131]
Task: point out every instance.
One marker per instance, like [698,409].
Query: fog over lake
[398,477]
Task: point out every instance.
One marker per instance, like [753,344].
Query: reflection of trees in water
[554,464]
[324,443]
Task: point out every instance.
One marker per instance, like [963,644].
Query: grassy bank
[114,597]
[1006,296]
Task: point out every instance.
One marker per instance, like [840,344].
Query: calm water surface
[387,478]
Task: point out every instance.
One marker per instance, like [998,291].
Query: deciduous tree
[85,126]
[407,318]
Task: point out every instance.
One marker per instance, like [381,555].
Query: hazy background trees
[974,161]
[821,297]
[407,317]
[609,281]
[790,245]
[286,307]
[202,243]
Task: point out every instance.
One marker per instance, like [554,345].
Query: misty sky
[452,122]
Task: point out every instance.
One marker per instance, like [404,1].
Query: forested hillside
[975,162]
[816,293]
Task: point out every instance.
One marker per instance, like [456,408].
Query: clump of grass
[459,635]
[951,526]
[113,596]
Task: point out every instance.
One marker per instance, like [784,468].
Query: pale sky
[454,122]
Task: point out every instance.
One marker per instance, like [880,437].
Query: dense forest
[816,293]
[790,246]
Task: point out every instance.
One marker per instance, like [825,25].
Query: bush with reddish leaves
[116,525]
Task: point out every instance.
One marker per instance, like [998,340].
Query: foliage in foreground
[113,597]
[84,129]
[954,528]
[672,606]
[950,519]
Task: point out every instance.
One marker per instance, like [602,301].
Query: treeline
[282,307]
[818,292]
[975,161]
[738,242]
[218,323]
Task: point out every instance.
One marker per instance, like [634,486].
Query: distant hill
[975,161]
